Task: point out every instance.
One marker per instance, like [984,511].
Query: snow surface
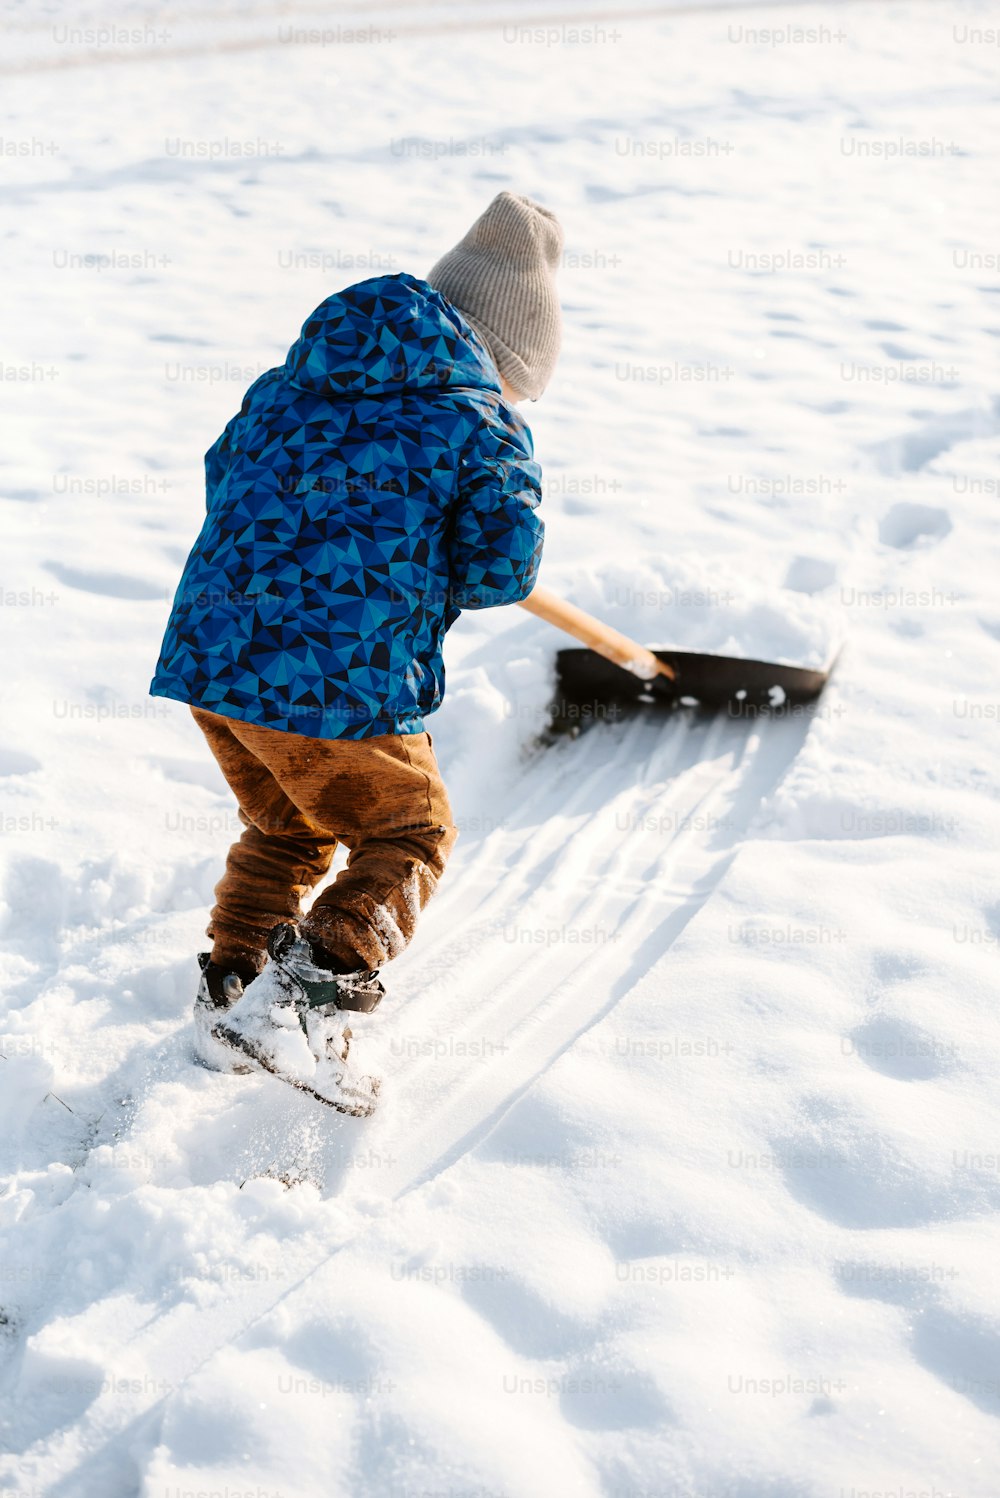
[687,1173]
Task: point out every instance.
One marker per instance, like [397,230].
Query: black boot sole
[247,1048]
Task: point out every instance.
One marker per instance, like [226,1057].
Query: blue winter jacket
[370,488]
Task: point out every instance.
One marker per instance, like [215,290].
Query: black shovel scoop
[615,673]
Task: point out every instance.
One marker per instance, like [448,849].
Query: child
[371,487]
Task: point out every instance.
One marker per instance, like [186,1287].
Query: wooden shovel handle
[597,636]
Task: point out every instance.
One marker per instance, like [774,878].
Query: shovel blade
[590,687]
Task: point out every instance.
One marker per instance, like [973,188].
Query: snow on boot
[218,989]
[288,1022]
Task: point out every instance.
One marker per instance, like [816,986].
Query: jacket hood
[389,333]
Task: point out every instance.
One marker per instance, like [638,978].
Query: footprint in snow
[106,584]
[827,408]
[54,1391]
[891,966]
[637,1234]
[893,1282]
[332,1348]
[963,1351]
[907,525]
[959,1348]
[190,772]
[900,1050]
[179,338]
[854,1174]
[600,1397]
[898,351]
[24,496]
[14,762]
[809,575]
[915,449]
[528,1324]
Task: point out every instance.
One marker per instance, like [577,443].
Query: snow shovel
[615,673]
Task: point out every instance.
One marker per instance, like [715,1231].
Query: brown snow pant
[383,798]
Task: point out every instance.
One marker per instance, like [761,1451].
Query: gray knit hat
[502,277]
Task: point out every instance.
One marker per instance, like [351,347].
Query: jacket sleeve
[495,539]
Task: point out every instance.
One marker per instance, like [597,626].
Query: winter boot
[218,989]
[290,1022]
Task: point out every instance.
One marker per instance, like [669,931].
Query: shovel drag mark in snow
[618,840]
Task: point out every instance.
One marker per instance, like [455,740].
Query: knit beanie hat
[501,276]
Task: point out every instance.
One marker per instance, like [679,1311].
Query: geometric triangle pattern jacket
[370,488]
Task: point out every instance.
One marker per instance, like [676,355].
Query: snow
[686,1175]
